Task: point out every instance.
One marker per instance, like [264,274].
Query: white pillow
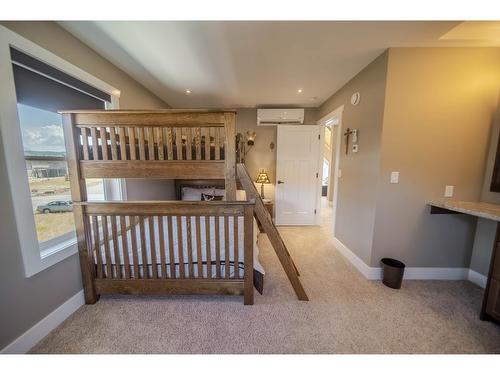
[194,194]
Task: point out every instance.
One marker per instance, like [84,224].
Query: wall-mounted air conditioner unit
[269,117]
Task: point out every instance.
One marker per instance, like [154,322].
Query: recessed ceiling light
[299,91]
[188,92]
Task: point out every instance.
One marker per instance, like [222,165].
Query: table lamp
[262,179]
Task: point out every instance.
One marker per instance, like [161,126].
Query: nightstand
[268,204]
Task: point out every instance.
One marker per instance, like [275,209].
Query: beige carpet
[346,314]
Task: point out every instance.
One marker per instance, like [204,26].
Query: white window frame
[35,257]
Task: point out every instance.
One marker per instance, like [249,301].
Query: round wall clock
[355,98]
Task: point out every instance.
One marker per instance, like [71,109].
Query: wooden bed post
[79,194]
[230,155]
[248,257]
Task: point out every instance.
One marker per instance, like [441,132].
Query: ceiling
[248,64]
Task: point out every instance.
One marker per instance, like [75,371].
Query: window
[35,85]
[38,99]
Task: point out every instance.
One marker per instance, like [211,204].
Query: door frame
[335,114]
[319,166]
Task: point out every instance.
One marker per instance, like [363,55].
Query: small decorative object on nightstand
[262,179]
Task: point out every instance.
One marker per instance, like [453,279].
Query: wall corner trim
[412,273]
[41,329]
[477,278]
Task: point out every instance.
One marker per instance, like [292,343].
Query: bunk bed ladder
[272,233]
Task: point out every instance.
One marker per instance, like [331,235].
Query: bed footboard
[167,248]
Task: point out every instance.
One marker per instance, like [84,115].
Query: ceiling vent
[270,117]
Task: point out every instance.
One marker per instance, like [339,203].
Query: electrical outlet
[394,177]
[354,148]
[448,191]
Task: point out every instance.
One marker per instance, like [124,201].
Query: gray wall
[25,301]
[427,113]
[142,189]
[439,107]
[357,188]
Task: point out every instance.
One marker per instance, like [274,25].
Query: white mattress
[203,242]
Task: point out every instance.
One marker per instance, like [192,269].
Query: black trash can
[393,271]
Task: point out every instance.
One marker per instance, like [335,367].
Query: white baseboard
[41,329]
[412,273]
[371,273]
[477,278]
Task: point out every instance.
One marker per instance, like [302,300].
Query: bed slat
[208,245]
[114,149]
[197,134]
[152,247]
[171,247]
[189,236]
[95,144]
[178,143]
[131,141]
[97,246]
[207,143]
[217,143]
[143,248]
[170,144]
[114,234]
[104,143]
[107,254]
[161,239]
[123,143]
[133,240]
[227,270]
[142,151]
[159,137]
[189,150]
[151,144]
[180,248]
[217,246]
[123,232]
[85,144]
[236,248]
[199,257]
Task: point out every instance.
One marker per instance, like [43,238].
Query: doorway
[332,123]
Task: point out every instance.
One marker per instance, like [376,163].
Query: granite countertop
[480,209]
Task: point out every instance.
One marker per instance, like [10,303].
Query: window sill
[50,256]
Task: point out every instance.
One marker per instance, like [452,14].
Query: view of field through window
[46,167]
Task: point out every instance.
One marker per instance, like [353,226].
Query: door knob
[281,182]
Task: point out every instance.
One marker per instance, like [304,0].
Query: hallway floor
[346,313]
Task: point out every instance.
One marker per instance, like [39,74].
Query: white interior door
[297,174]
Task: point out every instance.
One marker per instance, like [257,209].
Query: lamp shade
[263,177]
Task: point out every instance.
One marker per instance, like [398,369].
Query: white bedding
[257,266]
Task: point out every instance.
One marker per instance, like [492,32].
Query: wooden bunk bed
[162,247]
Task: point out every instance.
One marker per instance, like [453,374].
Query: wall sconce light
[251,137]
[244,144]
